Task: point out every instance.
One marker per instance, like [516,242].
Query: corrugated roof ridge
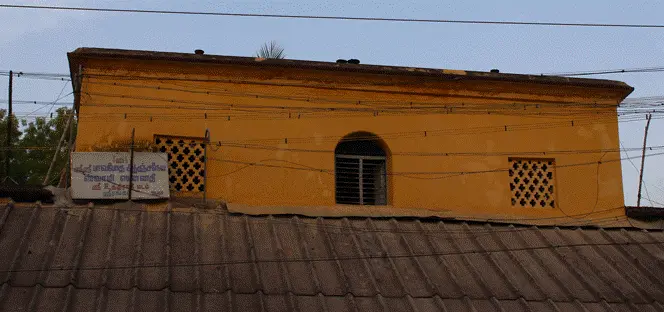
[570,266]
[347,289]
[458,219]
[165,300]
[138,254]
[81,245]
[280,253]
[224,245]
[482,283]
[365,262]
[613,265]
[600,277]
[560,285]
[21,245]
[169,244]
[511,256]
[134,288]
[196,227]
[431,287]
[440,260]
[256,275]
[109,247]
[491,261]
[638,264]
[303,245]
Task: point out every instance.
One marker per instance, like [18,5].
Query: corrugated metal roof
[616,217]
[122,258]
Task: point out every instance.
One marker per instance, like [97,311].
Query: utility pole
[57,149]
[131,163]
[9,126]
[207,143]
[643,158]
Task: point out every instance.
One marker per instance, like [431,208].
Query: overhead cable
[609,71]
[442,174]
[322,17]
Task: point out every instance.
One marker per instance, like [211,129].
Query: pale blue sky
[37,41]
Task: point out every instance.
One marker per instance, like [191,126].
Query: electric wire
[432,154]
[197,89]
[637,171]
[327,259]
[441,174]
[609,71]
[574,219]
[321,17]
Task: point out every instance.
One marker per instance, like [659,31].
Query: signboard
[105,175]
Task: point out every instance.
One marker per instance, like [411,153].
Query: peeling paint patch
[280,152]
[318,138]
[454,72]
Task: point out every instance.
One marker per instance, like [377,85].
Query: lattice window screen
[186,161]
[361,180]
[532,182]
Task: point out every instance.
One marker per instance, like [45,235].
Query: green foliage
[3,139]
[271,50]
[34,148]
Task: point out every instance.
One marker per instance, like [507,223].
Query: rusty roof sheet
[134,258]
[76,56]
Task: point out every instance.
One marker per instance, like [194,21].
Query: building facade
[300,133]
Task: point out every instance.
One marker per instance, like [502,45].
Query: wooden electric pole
[131,163]
[8,154]
[643,158]
[57,149]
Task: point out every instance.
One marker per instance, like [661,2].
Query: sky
[38,40]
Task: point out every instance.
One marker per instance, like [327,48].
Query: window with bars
[532,182]
[360,171]
[186,161]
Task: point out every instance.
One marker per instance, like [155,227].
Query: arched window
[360,170]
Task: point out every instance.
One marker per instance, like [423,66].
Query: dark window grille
[361,180]
[360,171]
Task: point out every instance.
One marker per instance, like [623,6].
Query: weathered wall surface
[298,116]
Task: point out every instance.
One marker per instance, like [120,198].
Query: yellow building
[303,134]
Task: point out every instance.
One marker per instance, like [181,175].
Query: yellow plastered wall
[488,121]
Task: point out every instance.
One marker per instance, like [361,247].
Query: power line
[59,97]
[429,154]
[450,131]
[408,174]
[327,259]
[425,132]
[40,76]
[447,232]
[631,103]
[643,102]
[224,110]
[591,221]
[26,102]
[358,103]
[609,71]
[321,17]
[422,154]
[231,114]
[403,107]
[637,170]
